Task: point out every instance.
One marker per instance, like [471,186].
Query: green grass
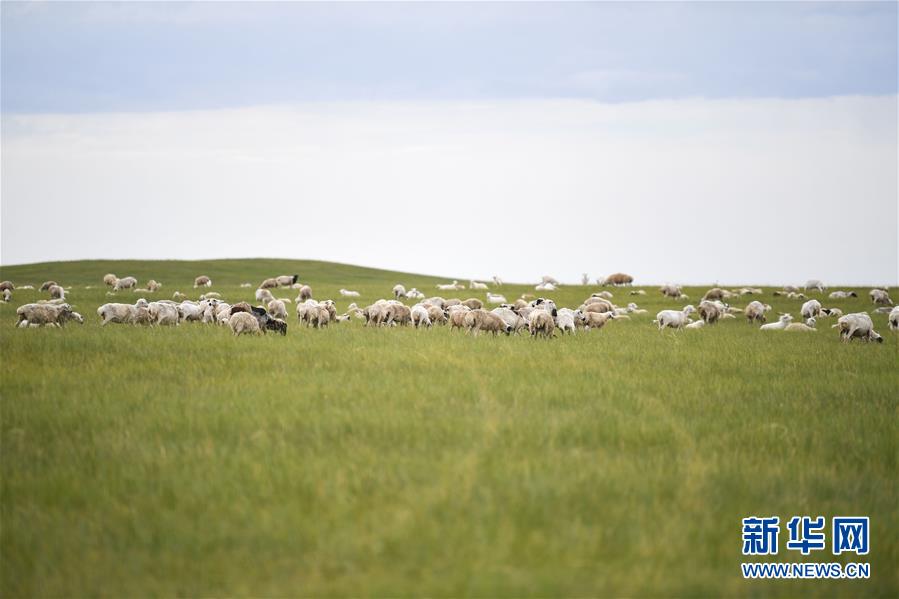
[356,461]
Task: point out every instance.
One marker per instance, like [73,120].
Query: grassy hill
[363,461]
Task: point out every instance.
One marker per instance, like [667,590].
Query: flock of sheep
[536,316]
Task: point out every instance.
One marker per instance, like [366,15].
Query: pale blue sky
[87,57]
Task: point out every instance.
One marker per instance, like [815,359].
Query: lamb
[43,314]
[811,308]
[473,303]
[815,284]
[857,325]
[244,323]
[305,293]
[202,281]
[476,285]
[709,311]
[348,293]
[831,312]
[540,322]
[277,309]
[842,294]
[495,298]
[124,283]
[880,296]
[162,313]
[755,311]
[399,291]
[152,286]
[780,325]
[675,319]
[479,320]
[137,313]
[420,316]
[618,279]
[894,319]
[286,280]
[110,279]
[57,292]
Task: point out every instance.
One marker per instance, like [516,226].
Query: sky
[682,142]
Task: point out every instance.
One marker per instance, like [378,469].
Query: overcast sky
[694,143]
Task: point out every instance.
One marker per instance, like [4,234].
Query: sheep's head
[786,318]
[689,310]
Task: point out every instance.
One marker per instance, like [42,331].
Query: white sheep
[857,325]
[894,319]
[675,319]
[415,294]
[842,294]
[348,293]
[163,313]
[124,283]
[244,323]
[497,281]
[495,298]
[811,308]
[420,316]
[880,296]
[545,287]
[815,284]
[476,285]
[277,309]
[399,291]
[780,325]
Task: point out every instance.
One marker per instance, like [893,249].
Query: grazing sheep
[495,298]
[540,322]
[476,285]
[545,304]
[153,286]
[842,294]
[287,280]
[137,313]
[110,279]
[190,311]
[780,325]
[511,318]
[811,308]
[7,286]
[124,283]
[7,295]
[565,319]
[244,323]
[755,311]
[264,295]
[35,315]
[815,284]
[858,325]
[456,316]
[420,317]
[57,292]
[178,296]
[716,293]
[246,285]
[211,295]
[318,316]
[675,319]
[47,285]
[618,279]
[202,281]
[277,309]
[305,293]
[436,315]
[268,283]
[473,303]
[894,319]
[452,302]
[597,304]
[397,313]
[880,296]
[796,296]
[710,312]
[399,291]
[673,291]
[415,294]
[450,286]
[479,320]
[348,293]
[162,314]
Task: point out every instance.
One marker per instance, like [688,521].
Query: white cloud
[689,191]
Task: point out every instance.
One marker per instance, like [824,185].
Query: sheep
[674,319]
[618,279]
[495,298]
[673,291]
[880,296]
[415,294]
[815,284]
[497,281]
[178,296]
[598,305]
[452,302]
[798,327]
[57,292]
[202,281]
[755,311]
[811,308]
[7,286]
[632,308]
[857,325]
[47,284]
[110,279]
[305,293]
[750,291]
[456,316]
[716,293]
[397,313]
[277,309]
[511,318]
[796,296]
[473,303]
[7,295]
[153,286]
[263,295]
[545,287]
[546,279]
[43,314]
[831,312]
[449,286]
[420,317]
[137,313]
[286,280]
[541,322]
[842,294]
[244,323]
[638,292]
[479,320]
[373,314]
[436,315]
[211,295]
[780,325]
[246,285]
[435,301]
[695,325]
[163,314]
[399,291]
[709,311]
[894,319]
[318,316]
[124,283]
[268,283]
[565,319]
[545,304]
[348,293]
[476,285]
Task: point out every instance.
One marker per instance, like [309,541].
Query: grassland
[355,461]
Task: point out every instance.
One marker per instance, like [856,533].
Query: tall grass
[357,461]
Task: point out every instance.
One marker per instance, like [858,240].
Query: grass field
[357,461]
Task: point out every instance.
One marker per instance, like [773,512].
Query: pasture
[363,461]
